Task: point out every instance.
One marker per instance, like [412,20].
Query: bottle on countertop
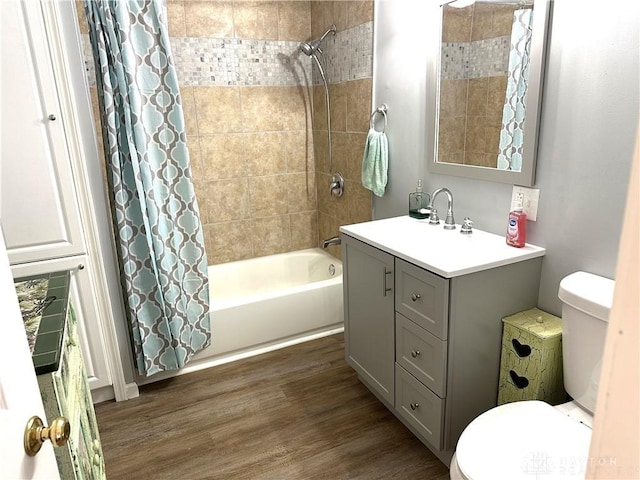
[419,203]
[517,226]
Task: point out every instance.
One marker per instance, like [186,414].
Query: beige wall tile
[304,230]
[260,109]
[338,16]
[360,200]
[268,196]
[503,20]
[298,151]
[264,153]
[496,93]
[271,235]
[223,156]
[228,242]
[482,27]
[208,19]
[355,150]
[338,102]
[493,140]
[301,192]
[475,141]
[321,150]
[195,158]
[82,18]
[256,20]
[218,109]
[474,158]
[294,20]
[359,12]
[175,18]
[321,13]
[339,141]
[457,24]
[294,105]
[453,97]
[451,135]
[451,157]
[319,108]
[477,100]
[491,160]
[359,106]
[227,200]
[189,109]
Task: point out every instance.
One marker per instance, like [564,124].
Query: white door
[19,393]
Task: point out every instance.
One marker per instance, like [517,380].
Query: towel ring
[382,109]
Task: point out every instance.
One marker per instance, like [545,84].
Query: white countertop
[447,253]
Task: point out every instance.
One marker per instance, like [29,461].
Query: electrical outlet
[529,198]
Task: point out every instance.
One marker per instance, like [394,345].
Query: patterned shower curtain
[156,221]
[513,115]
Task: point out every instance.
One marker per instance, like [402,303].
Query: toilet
[532,439]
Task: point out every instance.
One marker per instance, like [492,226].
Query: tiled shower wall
[248,100]
[349,57]
[475,52]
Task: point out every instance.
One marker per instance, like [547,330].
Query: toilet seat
[521,439]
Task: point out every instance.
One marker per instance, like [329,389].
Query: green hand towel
[375,162]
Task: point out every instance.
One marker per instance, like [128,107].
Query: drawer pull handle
[415,297]
[520,349]
[414,405]
[518,381]
[415,353]
[385,289]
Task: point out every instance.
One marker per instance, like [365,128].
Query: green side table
[531,359]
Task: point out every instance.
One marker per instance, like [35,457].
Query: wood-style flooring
[295,413]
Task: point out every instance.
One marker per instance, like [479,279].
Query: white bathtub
[266,303]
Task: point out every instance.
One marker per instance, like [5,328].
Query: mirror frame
[526,176]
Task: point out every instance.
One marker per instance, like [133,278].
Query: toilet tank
[586,301]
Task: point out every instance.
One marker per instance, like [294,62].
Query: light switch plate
[530,198]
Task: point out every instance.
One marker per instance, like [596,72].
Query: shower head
[311,47]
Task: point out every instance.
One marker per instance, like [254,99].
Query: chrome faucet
[449,222]
[331,241]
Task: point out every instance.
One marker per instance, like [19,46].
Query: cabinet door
[37,204]
[369,318]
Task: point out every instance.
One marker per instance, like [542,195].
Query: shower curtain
[155,214]
[513,114]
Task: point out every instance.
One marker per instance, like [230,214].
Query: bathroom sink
[445,252]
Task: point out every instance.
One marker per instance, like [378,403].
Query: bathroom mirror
[486,89]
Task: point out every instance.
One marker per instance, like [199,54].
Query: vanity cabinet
[369,343]
[431,351]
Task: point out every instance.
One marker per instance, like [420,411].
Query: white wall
[589,116]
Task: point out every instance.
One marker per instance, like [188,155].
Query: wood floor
[296,413]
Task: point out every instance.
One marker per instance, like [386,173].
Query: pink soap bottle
[517,226]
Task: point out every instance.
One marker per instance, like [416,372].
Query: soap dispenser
[419,203]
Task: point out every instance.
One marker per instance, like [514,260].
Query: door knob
[415,297]
[35,434]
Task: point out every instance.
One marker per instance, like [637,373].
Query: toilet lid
[524,440]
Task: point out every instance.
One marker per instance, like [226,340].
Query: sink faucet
[449,223]
[331,241]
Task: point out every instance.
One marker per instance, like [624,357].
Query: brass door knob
[35,434]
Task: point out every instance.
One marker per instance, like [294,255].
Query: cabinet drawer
[423,297]
[421,354]
[420,407]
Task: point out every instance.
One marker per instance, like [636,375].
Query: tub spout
[331,241]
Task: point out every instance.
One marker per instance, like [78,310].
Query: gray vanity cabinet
[426,345]
[369,333]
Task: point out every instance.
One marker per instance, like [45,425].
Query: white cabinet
[39,204]
[38,201]
[427,344]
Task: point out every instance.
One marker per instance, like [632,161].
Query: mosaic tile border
[202,61]
[484,58]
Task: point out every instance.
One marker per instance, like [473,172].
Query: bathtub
[266,303]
